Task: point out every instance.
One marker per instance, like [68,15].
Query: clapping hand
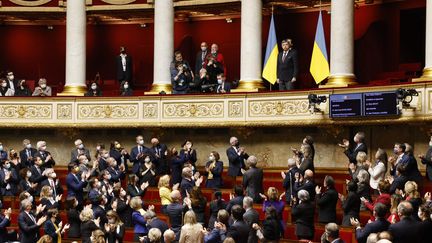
[364,200]
[188,202]
[107,228]
[243,170]
[255,226]
[97,222]
[58,198]
[8,213]
[151,207]
[176,186]
[41,220]
[427,196]
[40,208]
[318,190]
[283,175]
[345,143]
[341,197]
[281,196]
[263,196]
[144,185]
[355,222]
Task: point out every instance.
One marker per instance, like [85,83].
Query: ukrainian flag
[319,66]
[270,63]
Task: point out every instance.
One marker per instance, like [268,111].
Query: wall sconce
[50,27]
[143,25]
[229,20]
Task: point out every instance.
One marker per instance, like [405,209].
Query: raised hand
[151,207]
[8,212]
[107,227]
[263,196]
[41,220]
[427,196]
[58,197]
[354,222]
[144,185]
[66,227]
[281,196]
[97,222]
[283,175]
[318,190]
[176,186]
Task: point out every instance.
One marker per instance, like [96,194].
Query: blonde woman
[413,196]
[47,199]
[273,199]
[115,228]
[191,231]
[138,220]
[45,239]
[98,236]
[165,191]
[89,224]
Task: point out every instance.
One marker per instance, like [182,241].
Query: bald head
[291,162]
[233,141]
[252,161]
[309,174]
[175,195]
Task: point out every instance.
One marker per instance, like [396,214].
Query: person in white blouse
[378,170]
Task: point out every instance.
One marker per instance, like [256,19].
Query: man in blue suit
[75,183]
[137,154]
[380,224]
[236,158]
[406,230]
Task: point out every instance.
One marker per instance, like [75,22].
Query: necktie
[28,153]
[53,187]
[139,149]
[31,217]
[284,56]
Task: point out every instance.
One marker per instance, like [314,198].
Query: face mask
[430,143]
[93,87]
[81,146]
[98,148]
[118,146]
[43,148]
[123,193]
[28,146]
[106,156]
[147,160]
[396,151]
[29,174]
[30,198]
[43,86]
[141,142]
[53,175]
[7,166]
[126,86]
[211,158]
[85,162]
[1,147]
[115,164]
[111,221]
[98,185]
[419,214]
[4,85]
[203,48]
[219,81]
[109,177]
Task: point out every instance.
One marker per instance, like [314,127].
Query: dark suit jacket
[351,153]
[159,224]
[251,216]
[226,87]
[199,61]
[133,192]
[327,206]
[138,162]
[25,159]
[405,231]
[378,225]
[411,169]
[75,187]
[175,213]
[46,163]
[160,159]
[215,206]
[239,231]
[87,228]
[235,201]
[124,75]
[58,187]
[75,153]
[51,230]
[306,164]
[186,185]
[125,212]
[307,185]
[114,237]
[288,68]
[13,183]
[288,184]
[29,230]
[236,162]
[177,163]
[48,204]
[303,214]
[4,222]
[428,162]
[216,181]
[75,223]
[351,208]
[253,182]
[24,186]
[99,212]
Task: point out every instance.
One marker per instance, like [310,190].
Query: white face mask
[126,86]
[147,160]
[141,142]
[203,48]
[29,174]
[7,166]
[81,146]
[93,87]
[30,198]
[219,81]
[53,175]
[211,158]
[28,146]
[109,177]
[419,214]
[4,85]
[43,86]
[85,162]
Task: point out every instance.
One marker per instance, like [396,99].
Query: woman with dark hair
[327,201]
[189,153]
[214,168]
[134,189]
[303,211]
[54,229]
[425,226]
[199,203]
[94,90]
[147,173]
[125,89]
[22,89]
[119,153]
[115,228]
[177,162]
[73,217]
[350,204]
[120,204]
[270,231]
[216,204]
[304,159]
[25,183]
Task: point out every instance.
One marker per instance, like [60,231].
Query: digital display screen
[380,104]
[346,105]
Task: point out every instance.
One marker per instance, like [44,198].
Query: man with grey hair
[251,216]
[46,157]
[154,222]
[253,179]
[331,234]
[303,210]
[169,236]
[28,223]
[289,180]
[305,182]
[78,151]
[406,230]
[236,157]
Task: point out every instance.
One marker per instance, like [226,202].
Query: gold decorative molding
[235,109]
[267,108]
[118,2]
[25,111]
[114,111]
[193,110]
[30,3]
[64,111]
[150,110]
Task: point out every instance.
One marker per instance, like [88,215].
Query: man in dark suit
[37,173]
[289,180]
[124,66]
[331,233]
[159,153]
[287,66]
[137,154]
[236,157]
[223,86]
[75,185]
[380,224]
[251,216]
[47,159]
[78,151]
[253,179]
[175,212]
[9,179]
[351,152]
[305,183]
[236,199]
[327,201]
[154,222]
[406,230]
[12,83]
[27,154]
[426,159]
[239,230]
[200,58]
[99,209]
[53,182]
[28,224]
[402,159]
[5,222]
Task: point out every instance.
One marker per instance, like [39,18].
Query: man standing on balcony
[124,66]
[287,66]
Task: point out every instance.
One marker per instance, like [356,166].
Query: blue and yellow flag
[270,62]
[319,66]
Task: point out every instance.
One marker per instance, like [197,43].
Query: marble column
[250,52]
[163,45]
[341,44]
[76,22]
[427,71]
